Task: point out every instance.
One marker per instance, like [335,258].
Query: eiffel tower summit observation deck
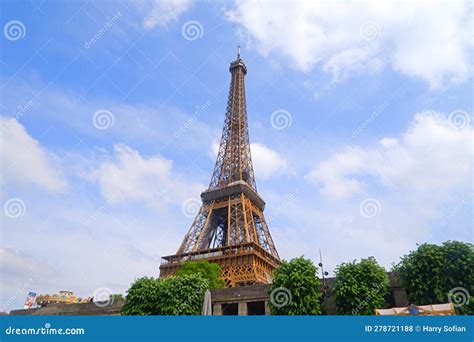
[230,228]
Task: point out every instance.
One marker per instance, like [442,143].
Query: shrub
[208,270]
[438,274]
[295,289]
[361,287]
[177,295]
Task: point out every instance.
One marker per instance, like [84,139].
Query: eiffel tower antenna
[230,228]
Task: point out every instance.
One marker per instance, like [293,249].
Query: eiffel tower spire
[234,162]
[230,228]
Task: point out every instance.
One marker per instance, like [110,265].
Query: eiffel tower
[230,227]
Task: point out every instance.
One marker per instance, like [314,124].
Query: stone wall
[248,296]
[82,309]
[227,298]
[245,300]
[397,294]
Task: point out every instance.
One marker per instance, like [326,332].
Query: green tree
[143,297]
[177,295]
[439,273]
[208,270]
[182,295]
[360,287]
[295,289]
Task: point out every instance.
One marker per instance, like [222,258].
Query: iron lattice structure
[230,228]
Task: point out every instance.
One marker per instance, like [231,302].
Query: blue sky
[359,116]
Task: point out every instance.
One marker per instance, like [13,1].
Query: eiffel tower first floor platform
[243,264]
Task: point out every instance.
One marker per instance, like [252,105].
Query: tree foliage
[142,297]
[177,295]
[182,295]
[295,289]
[439,273]
[361,287]
[208,270]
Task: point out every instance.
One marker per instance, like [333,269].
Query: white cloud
[109,235]
[25,161]
[137,123]
[430,41]
[330,174]
[20,273]
[420,183]
[430,159]
[131,177]
[113,243]
[266,162]
[13,262]
[163,12]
